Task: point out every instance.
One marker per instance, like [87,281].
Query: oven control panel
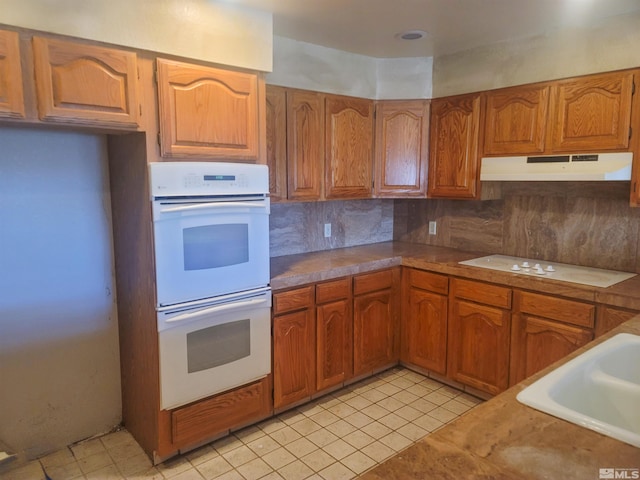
[174,179]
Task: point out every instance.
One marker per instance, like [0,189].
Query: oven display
[228,178]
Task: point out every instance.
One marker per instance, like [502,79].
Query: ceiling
[369,27]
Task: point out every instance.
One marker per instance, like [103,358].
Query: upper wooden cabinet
[402,148]
[87,84]
[207,112]
[453,148]
[11,93]
[276,130]
[516,120]
[349,147]
[305,144]
[591,113]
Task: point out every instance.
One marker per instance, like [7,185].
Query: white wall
[611,45]
[312,67]
[201,29]
[59,356]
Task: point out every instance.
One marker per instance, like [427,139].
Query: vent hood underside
[586,167]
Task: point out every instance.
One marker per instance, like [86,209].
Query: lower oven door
[207,349]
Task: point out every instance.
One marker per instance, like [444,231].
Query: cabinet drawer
[568,311]
[433,282]
[484,293]
[370,282]
[333,290]
[200,420]
[293,300]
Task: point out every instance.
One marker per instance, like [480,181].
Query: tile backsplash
[299,227]
[588,223]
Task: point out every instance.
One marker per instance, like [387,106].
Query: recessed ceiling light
[411,35]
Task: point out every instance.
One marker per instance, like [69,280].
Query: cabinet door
[349,147]
[536,343]
[293,357]
[78,83]
[425,330]
[305,144]
[373,331]
[592,113]
[610,317]
[334,337]
[453,147]
[402,148]
[277,141]
[11,94]
[516,120]
[207,112]
[479,340]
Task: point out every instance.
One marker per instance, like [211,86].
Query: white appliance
[557,168]
[211,236]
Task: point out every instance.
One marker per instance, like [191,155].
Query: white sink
[599,389]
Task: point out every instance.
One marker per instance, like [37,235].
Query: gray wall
[59,357]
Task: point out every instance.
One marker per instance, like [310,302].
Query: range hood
[557,168]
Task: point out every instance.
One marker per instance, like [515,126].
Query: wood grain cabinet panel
[516,120]
[11,91]
[349,147]
[609,318]
[453,147]
[478,342]
[334,332]
[424,320]
[87,84]
[305,144]
[276,129]
[402,148]
[207,112]
[375,321]
[591,113]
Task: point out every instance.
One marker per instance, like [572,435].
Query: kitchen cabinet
[516,120]
[479,335]
[375,321]
[453,147]
[85,84]
[401,148]
[349,147]
[276,130]
[424,319]
[305,144]
[608,318]
[11,92]
[591,113]
[208,113]
[546,329]
[334,333]
[294,339]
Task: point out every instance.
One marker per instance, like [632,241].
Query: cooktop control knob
[525,264]
[550,268]
[515,268]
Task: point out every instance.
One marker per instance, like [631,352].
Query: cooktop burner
[596,277]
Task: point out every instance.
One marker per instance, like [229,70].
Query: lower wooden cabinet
[610,317]
[479,335]
[375,321]
[293,346]
[546,329]
[334,333]
[424,320]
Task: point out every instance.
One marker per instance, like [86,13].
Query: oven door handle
[213,205]
[218,309]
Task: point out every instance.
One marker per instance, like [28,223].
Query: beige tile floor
[338,436]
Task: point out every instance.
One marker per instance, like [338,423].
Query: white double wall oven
[211,236]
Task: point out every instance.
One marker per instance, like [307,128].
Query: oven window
[218,345]
[213,246]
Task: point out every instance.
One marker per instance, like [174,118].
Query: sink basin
[599,389]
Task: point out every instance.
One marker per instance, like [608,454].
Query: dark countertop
[294,270]
[503,438]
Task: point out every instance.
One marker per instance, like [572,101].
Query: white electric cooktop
[596,277]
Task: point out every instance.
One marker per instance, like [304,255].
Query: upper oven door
[210,248]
